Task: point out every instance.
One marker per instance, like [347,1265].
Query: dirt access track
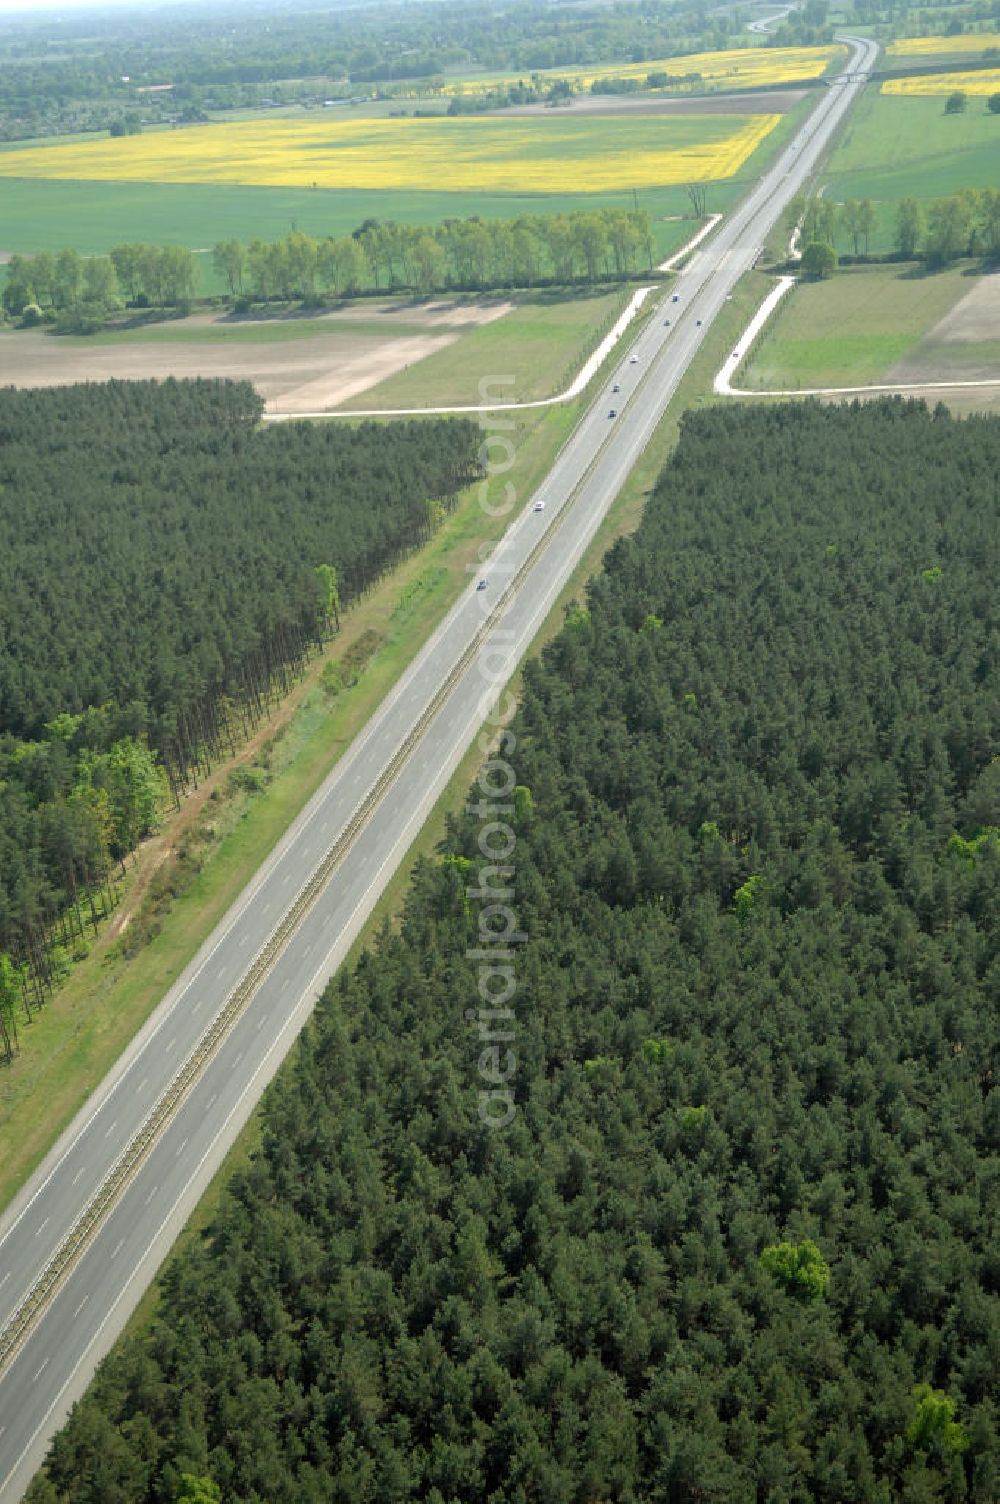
[318,364]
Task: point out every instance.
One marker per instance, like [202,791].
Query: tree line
[585,247]
[737,1242]
[166,565]
[966,223]
[78,292]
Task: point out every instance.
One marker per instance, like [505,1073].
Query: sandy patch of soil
[964,345]
[774,102]
[295,375]
[461,313]
[976,317]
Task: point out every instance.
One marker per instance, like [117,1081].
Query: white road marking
[42,1226]
[244,939]
[169,1047]
[285,983]
[221,972]
[180,1151]
[238,1058]
[111,1130]
[38,1375]
[213,1098]
[76,1177]
[196,1006]
[5,1279]
[142,1083]
[118,1247]
[286,879]
[152,1194]
[80,1306]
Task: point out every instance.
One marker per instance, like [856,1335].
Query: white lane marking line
[307,951]
[169,1047]
[111,1130]
[196,1006]
[221,972]
[286,879]
[5,1279]
[267,907]
[238,1058]
[285,983]
[152,1194]
[76,1177]
[80,1306]
[213,1098]
[244,939]
[261,1023]
[118,1247]
[180,1151]
[42,1226]
[38,1375]
[142,1083]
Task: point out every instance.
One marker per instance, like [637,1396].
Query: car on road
[481,585]
[633,360]
[666,321]
[676,298]
[698,322]
[616,387]
[539,506]
[613,413]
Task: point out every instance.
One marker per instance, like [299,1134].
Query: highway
[328,872]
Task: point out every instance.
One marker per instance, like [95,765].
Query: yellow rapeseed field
[549,154]
[970,43]
[744,66]
[981,81]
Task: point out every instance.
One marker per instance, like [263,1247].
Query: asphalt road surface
[444,695]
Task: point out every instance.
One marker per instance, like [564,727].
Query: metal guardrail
[114,1183]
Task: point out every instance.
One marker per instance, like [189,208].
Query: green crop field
[541,343]
[850,330]
[48,214]
[897,147]
[40,215]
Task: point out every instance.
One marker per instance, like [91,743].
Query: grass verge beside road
[78,1036]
